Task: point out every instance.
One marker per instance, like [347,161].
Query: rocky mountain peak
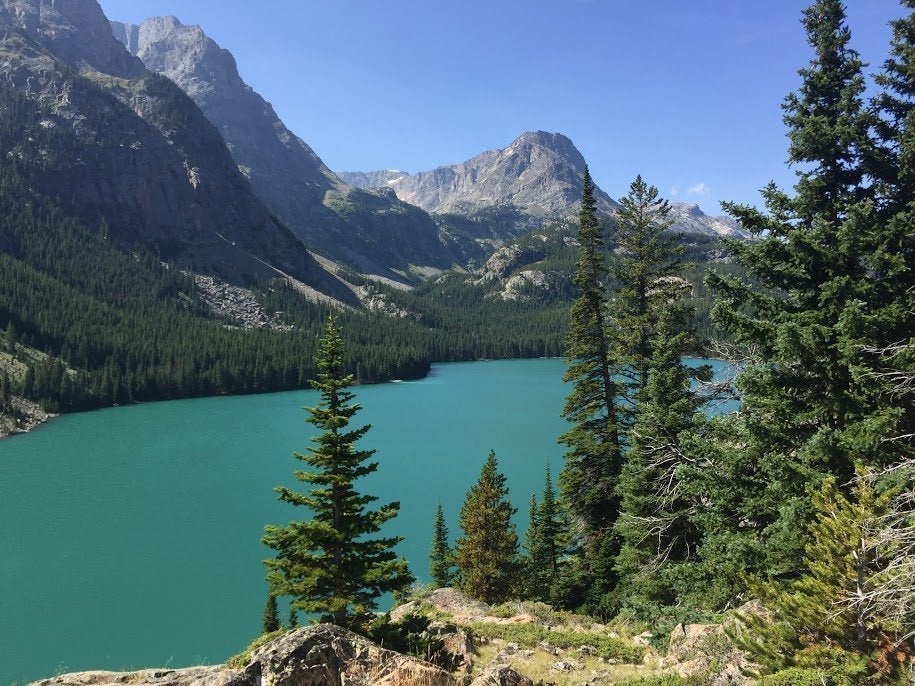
[371,231]
[555,142]
[538,174]
[184,53]
[75,31]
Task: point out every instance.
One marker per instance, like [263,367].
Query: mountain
[533,181]
[539,174]
[370,230]
[126,150]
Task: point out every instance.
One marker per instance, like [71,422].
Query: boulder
[321,655]
[457,646]
[702,648]
[500,675]
[327,655]
[192,676]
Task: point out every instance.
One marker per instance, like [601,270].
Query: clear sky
[686,93]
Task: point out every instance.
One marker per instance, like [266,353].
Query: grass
[538,667]
[530,635]
[243,659]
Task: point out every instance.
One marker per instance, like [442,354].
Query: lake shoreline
[32,417]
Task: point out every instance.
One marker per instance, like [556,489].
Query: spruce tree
[544,543]
[889,318]
[335,563]
[645,269]
[271,615]
[10,339]
[440,556]
[805,415]
[485,553]
[811,622]
[656,526]
[5,389]
[593,459]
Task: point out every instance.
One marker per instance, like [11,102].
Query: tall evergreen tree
[656,526]
[440,556]
[5,389]
[485,553]
[805,415]
[10,339]
[335,563]
[889,318]
[646,266]
[593,459]
[271,615]
[544,543]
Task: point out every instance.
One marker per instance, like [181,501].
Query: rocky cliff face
[689,218]
[375,232]
[537,179]
[539,174]
[128,151]
[75,31]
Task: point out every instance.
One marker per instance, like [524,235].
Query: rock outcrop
[76,31]
[321,655]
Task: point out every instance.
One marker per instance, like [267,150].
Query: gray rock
[456,644]
[539,174]
[321,655]
[331,655]
[501,676]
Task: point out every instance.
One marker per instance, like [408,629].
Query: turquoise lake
[130,537]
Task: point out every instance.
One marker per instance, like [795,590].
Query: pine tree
[811,621]
[440,556]
[593,459]
[485,553]
[10,339]
[335,563]
[646,271]
[5,389]
[656,526]
[805,416]
[271,615]
[293,620]
[544,543]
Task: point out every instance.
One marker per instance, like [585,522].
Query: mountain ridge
[371,231]
[538,175]
[127,150]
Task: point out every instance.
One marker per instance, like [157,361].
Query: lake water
[130,537]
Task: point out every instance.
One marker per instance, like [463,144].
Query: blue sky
[688,94]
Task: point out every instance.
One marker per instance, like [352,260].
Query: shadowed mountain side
[373,232]
[131,153]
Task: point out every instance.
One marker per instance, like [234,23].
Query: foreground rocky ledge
[311,656]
